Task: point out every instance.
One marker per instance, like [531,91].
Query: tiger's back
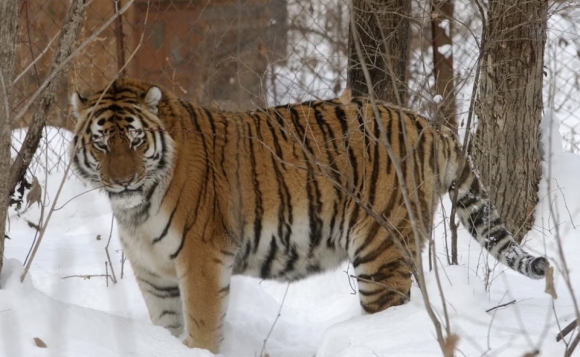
[300,173]
[275,193]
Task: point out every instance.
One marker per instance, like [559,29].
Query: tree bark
[68,37]
[506,143]
[382,28]
[8,36]
[442,39]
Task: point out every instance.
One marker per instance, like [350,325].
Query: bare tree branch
[68,37]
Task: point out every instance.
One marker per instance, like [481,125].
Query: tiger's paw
[188,341]
[539,266]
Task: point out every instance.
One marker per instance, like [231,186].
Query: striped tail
[481,218]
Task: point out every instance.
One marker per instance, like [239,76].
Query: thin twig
[120,40]
[500,306]
[77,196]
[275,320]
[87,276]
[40,55]
[572,346]
[566,330]
[113,277]
[123,263]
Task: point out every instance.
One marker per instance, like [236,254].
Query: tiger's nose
[123,181]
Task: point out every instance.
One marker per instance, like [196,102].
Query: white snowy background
[78,316]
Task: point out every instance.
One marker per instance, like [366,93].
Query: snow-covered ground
[75,315]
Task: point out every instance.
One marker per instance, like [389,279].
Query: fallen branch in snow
[500,306]
[566,330]
[85,277]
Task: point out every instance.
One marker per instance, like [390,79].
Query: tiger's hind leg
[384,275]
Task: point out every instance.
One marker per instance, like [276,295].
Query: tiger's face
[120,144]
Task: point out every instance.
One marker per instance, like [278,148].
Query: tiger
[283,192]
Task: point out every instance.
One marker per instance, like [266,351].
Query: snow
[80,316]
[445,50]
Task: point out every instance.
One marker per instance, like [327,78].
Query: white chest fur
[145,250]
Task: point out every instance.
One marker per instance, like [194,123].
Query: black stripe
[225,123]
[280,120]
[314,208]
[370,237]
[167,312]
[506,245]
[389,136]
[284,208]
[362,125]
[166,229]
[467,201]
[385,244]
[480,215]
[277,148]
[490,226]
[341,116]
[376,161]
[402,145]
[267,264]
[181,244]
[162,291]
[293,257]
[258,209]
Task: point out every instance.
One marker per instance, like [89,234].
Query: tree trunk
[382,29]
[8,36]
[505,147]
[442,39]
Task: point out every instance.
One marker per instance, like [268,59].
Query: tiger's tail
[481,218]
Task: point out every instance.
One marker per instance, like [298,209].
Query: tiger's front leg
[204,270]
[162,297]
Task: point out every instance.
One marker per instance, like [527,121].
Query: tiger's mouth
[124,190]
[129,186]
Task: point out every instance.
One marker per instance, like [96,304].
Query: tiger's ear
[152,99]
[77,103]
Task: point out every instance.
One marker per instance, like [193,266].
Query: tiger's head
[120,143]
